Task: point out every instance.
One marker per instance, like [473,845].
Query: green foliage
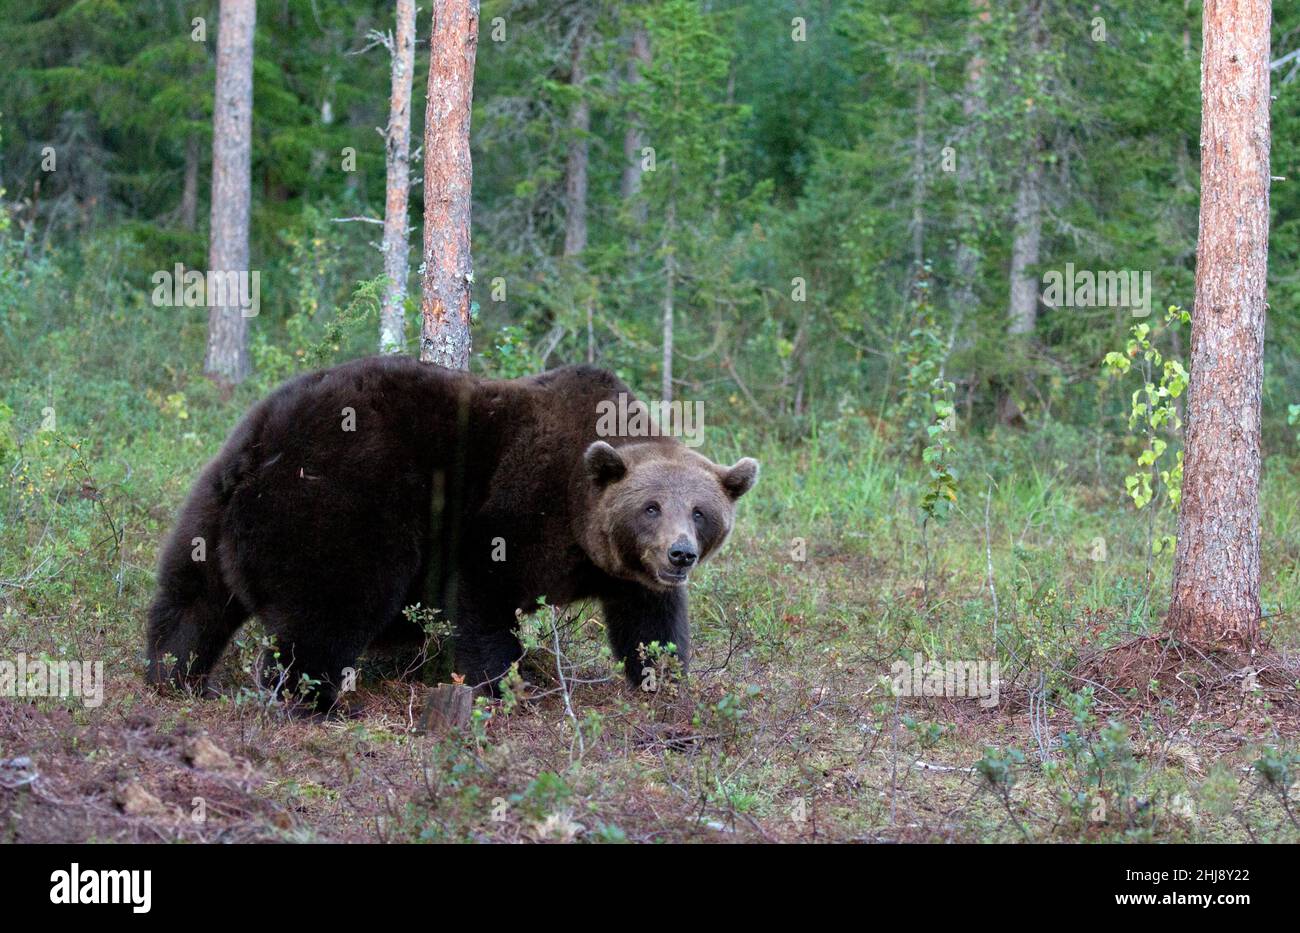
[1154,412]
[1277,766]
[998,767]
[784,195]
[940,493]
[510,355]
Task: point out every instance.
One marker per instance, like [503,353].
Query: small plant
[922,353]
[661,669]
[1153,412]
[940,493]
[438,632]
[1104,767]
[927,734]
[1276,768]
[734,707]
[998,768]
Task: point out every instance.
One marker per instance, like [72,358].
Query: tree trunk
[575,175]
[632,139]
[720,177]
[966,262]
[1215,600]
[448,268]
[396,246]
[232,144]
[918,177]
[670,287]
[591,332]
[189,213]
[1025,247]
[1029,199]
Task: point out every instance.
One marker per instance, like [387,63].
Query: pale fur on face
[653,497]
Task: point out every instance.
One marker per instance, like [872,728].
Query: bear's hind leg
[485,640]
[310,662]
[483,655]
[301,673]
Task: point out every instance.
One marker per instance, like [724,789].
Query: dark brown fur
[327,534]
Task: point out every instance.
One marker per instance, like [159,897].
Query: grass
[788,728]
[787,731]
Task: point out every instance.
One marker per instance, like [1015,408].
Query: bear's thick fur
[353,492]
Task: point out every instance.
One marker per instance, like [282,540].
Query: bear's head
[656,511]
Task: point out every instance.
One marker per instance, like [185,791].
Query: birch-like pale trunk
[189,211]
[967,259]
[397,151]
[1028,217]
[227,360]
[1025,247]
[918,177]
[575,172]
[670,288]
[630,186]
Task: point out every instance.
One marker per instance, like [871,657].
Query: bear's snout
[683,553]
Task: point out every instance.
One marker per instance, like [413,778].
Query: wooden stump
[449,707]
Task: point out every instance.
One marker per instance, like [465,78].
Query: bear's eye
[698,515]
[652,508]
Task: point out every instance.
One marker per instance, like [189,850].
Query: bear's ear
[740,478]
[604,464]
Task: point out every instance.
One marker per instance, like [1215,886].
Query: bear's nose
[682,553]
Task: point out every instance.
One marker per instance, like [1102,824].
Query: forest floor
[788,728]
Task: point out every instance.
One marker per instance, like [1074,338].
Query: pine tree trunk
[632,140]
[396,245]
[1215,600]
[232,142]
[448,268]
[189,213]
[575,175]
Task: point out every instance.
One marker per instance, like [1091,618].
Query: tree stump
[449,707]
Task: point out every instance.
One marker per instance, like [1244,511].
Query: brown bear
[353,492]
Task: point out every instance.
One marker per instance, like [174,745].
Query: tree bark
[1215,601]
[448,176]
[632,139]
[1029,201]
[575,174]
[1025,247]
[918,177]
[397,149]
[232,144]
[966,262]
[720,177]
[189,213]
[670,288]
